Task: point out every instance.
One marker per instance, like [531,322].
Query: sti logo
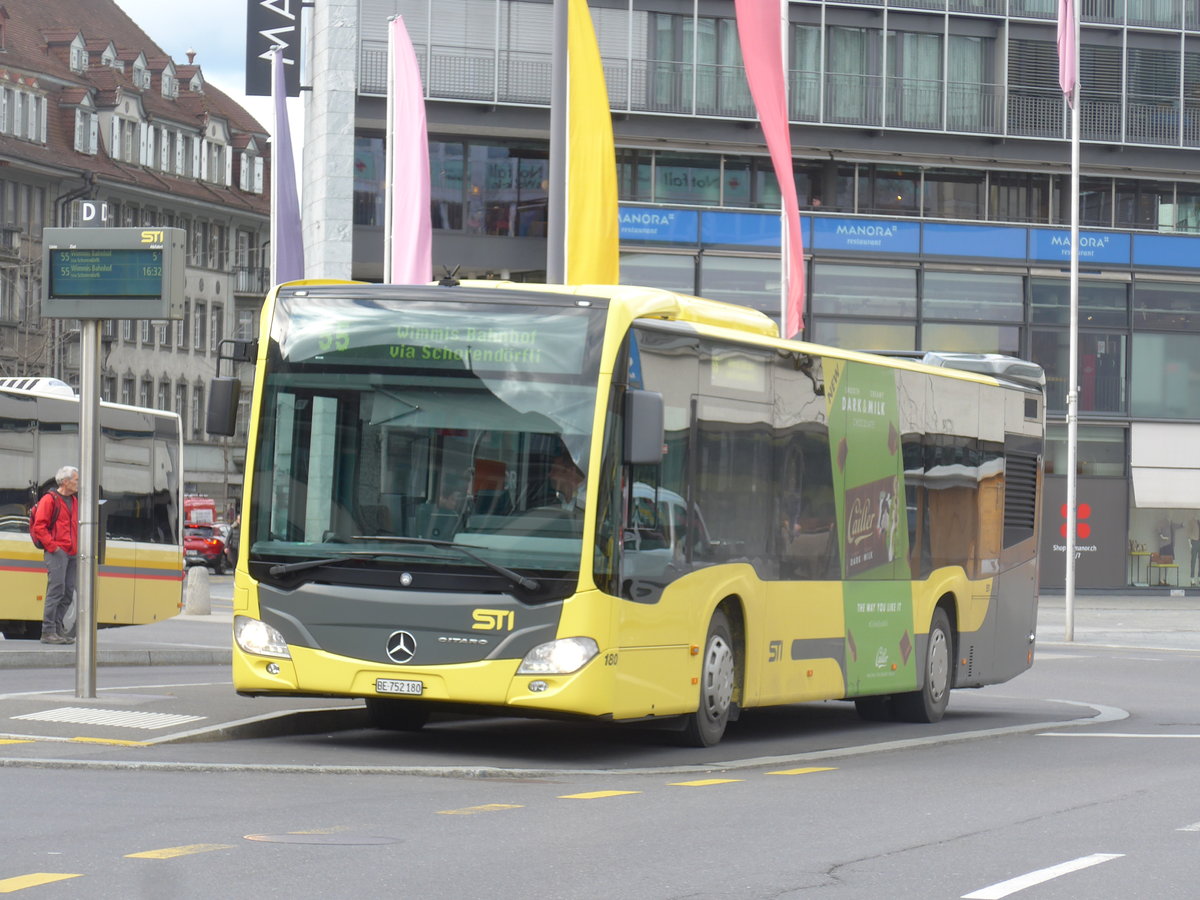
[493,619]
[152,237]
[1083,530]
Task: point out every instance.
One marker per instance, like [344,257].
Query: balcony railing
[254,280]
[682,88]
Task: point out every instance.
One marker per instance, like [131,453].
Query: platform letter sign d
[92,214]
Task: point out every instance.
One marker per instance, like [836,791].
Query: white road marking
[1004,888]
[1195,826]
[1114,734]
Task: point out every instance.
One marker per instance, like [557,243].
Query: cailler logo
[1083,530]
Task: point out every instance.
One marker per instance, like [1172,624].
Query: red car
[203,546]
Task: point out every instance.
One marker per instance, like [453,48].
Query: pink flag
[760,31]
[409,255]
[1067,51]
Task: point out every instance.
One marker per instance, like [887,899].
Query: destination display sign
[106,273]
[113,273]
[479,338]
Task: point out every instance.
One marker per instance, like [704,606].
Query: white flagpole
[389,164]
[785,274]
[1073,352]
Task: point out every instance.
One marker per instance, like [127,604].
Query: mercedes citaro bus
[622,503]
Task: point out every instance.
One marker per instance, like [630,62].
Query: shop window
[1166,376]
[953,194]
[741,280]
[888,191]
[1099,450]
[973,295]
[660,270]
[687,179]
[874,291]
[961,338]
[1100,302]
[1173,306]
[1101,369]
[854,335]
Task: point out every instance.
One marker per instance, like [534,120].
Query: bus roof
[658,303]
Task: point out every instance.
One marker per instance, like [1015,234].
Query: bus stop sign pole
[89,274]
[89,507]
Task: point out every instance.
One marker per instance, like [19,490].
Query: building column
[327,162]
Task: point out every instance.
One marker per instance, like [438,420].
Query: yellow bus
[622,503]
[140,578]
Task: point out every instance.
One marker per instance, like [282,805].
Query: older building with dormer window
[100,114]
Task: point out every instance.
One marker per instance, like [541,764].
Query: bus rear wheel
[928,704]
[718,672]
[396,715]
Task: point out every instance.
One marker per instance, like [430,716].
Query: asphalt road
[1075,779]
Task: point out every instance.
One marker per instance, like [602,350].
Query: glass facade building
[930,150]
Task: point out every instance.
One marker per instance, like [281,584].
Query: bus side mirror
[223,393]
[643,428]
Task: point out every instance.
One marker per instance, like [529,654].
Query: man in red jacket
[56,527]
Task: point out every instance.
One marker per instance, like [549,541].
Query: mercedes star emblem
[401,647]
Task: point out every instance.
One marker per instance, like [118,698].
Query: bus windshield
[420,415]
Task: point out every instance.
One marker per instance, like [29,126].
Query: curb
[65,659]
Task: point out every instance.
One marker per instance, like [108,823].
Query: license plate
[394,686]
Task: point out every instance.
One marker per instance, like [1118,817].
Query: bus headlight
[256,636]
[561,657]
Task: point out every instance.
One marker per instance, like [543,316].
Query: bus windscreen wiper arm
[515,577]
[281,568]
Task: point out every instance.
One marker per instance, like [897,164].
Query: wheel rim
[717,688]
[939,664]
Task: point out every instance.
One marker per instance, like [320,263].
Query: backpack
[53,518]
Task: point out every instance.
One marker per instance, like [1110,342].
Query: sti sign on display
[113,273]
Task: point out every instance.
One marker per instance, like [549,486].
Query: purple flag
[1067,51]
[287,242]
[409,255]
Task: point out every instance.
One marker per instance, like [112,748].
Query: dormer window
[87,131]
[170,86]
[141,76]
[23,114]
[79,56]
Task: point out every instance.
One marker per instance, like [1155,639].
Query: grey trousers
[60,589]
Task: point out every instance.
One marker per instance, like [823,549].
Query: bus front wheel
[718,671]
[396,715]
[928,704]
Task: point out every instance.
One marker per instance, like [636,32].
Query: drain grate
[75,715]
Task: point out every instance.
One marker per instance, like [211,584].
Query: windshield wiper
[281,568]
[516,577]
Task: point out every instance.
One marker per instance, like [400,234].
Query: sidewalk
[1148,620]
[183,640]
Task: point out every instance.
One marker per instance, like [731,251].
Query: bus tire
[396,715]
[928,704]
[718,673]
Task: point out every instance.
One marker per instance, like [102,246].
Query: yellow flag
[592,227]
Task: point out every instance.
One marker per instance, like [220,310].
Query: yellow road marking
[172,852]
[804,771]
[705,782]
[11,741]
[471,810]
[596,795]
[112,741]
[8,885]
